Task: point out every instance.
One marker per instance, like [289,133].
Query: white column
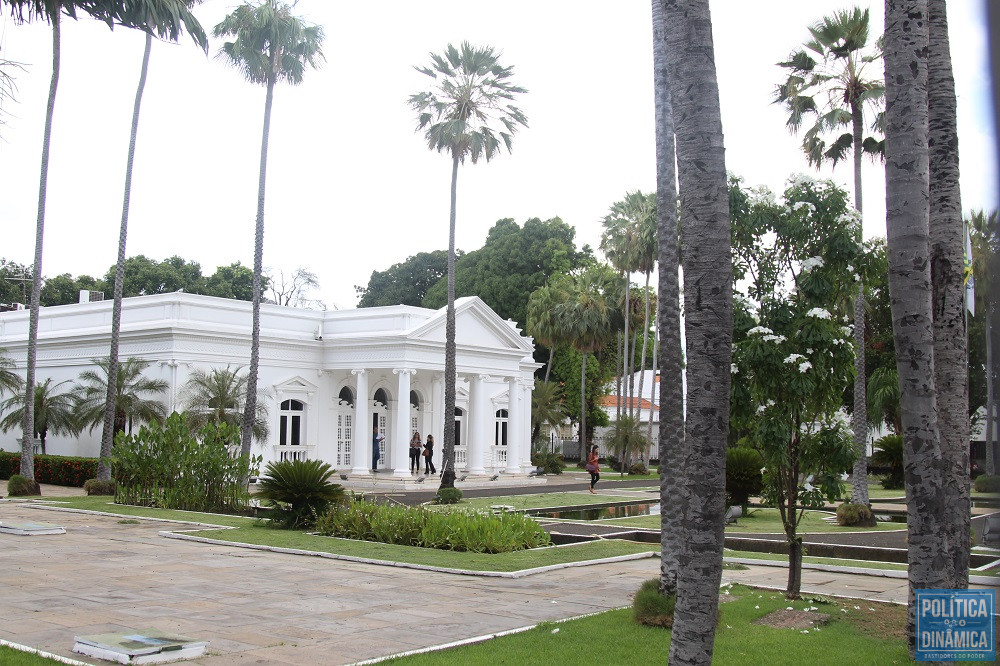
[401,435]
[515,432]
[437,417]
[526,388]
[479,431]
[361,447]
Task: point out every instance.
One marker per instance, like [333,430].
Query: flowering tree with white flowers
[792,359]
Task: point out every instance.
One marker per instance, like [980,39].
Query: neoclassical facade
[331,378]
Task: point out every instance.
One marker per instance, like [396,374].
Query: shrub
[96,487]
[57,470]
[614,462]
[890,455]
[470,531]
[857,515]
[448,495]
[652,608]
[19,486]
[987,484]
[168,466]
[744,478]
[551,463]
[298,491]
[638,468]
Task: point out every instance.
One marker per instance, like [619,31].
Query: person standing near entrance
[415,447]
[595,471]
[376,440]
[428,454]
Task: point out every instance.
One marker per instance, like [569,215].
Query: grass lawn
[12,657]
[250,532]
[777,557]
[761,521]
[859,632]
[541,500]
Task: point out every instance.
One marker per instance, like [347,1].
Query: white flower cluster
[805,365]
[761,408]
[846,330]
[733,369]
[760,330]
[794,358]
[819,313]
[774,338]
[849,218]
[800,179]
[804,205]
[811,263]
[840,341]
[762,195]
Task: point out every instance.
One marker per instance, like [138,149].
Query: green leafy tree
[163,18]
[542,322]
[15,282]
[219,396]
[10,381]
[472,94]
[149,9]
[405,283]
[54,412]
[143,276]
[133,391]
[794,366]
[830,82]
[546,407]
[984,354]
[65,289]
[233,281]
[270,44]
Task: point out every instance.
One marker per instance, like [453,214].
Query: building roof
[612,401]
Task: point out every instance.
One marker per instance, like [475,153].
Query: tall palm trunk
[907,227]
[583,406]
[627,359]
[671,435]
[250,408]
[645,338]
[991,406]
[108,433]
[618,382]
[859,475]
[28,424]
[548,366]
[653,389]
[947,268]
[450,371]
[708,308]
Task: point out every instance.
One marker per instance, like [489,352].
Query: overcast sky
[351,188]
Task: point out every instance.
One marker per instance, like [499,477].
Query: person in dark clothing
[428,455]
[415,450]
[595,471]
[376,440]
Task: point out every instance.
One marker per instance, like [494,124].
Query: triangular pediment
[476,325]
[295,384]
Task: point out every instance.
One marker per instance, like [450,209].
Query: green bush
[744,478]
[57,470]
[551,463]
[448,495]
[95,487]
[857,515]
[890,456]
[638,468]
[298,491]
[170,467]
[467,531]
[987,484]
[19,486]
[652,608]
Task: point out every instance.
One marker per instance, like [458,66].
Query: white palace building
[330,377]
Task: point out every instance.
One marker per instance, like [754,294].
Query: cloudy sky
[351,187]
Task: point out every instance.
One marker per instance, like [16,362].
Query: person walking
[428,455]
[595,471]
[377,439]
[415,448]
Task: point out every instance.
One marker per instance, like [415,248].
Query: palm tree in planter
[164,17]
[828,82]
[132,391]
[219,396]
[198,35]
[271,44]
[54,412]
[471,95]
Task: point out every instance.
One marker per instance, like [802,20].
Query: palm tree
[947,239]
[907,231]
[271,44]
[219,396]
[586,319]
[107,435]
[131,391]
[708,308]
[164,18]
[828,82]
[985,235]
[472,94]
[883,398]
[542,323]
[9,380]
[670,362]
[546,407]
[54,412]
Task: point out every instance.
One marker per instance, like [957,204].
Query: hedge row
[57,470]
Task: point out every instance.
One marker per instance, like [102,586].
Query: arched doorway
[345,428]
[380,420]
[461,449]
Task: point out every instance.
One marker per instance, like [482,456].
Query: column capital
[404,371]
[358,371]
[483,377]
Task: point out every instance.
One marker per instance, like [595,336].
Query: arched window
[347,396]
[382,397]
[290,430]
[501,428]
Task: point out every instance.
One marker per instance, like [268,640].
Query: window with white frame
[291,426]
[501,428]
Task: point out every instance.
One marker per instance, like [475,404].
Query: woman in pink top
[595,471]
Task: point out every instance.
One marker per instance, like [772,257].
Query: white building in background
[331,377]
